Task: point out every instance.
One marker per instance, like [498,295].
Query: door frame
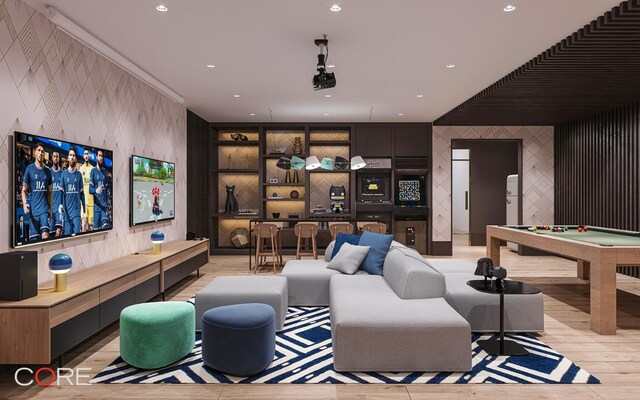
[458,143]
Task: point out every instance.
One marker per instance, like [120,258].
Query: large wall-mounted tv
[152,190]
[61,189]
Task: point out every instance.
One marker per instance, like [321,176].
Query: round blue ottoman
[239,339]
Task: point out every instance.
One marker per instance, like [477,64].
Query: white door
[460,190]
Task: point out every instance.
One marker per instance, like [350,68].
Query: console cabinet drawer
[116,287]
[75,306]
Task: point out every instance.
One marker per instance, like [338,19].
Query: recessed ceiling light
[327,95]
[335,8]
[400,114]
[326,114]
[162,8]
[330,66]
[420,95]
[451,65]
[210,66]
[236,95]
[509,8]
[252,114]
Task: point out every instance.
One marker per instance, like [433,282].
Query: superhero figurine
[337,195]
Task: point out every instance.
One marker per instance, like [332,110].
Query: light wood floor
[615,360]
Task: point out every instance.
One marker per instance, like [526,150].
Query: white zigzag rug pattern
[304,355]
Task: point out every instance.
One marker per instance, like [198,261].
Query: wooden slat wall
[585,73]
[597,171]
[198,152]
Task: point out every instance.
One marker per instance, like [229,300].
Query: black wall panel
[597,171]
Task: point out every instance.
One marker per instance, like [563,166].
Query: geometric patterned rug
[303,355]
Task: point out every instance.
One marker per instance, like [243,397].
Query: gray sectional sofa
[418,316]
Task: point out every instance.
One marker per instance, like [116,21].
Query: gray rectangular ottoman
[227,290]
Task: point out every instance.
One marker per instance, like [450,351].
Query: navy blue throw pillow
[379,247]
[343,238]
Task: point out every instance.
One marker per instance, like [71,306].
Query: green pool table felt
[596,236]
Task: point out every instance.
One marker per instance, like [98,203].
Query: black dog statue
[231,205]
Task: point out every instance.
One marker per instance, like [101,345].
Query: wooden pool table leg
[603,294]
[493,249]
[584,270]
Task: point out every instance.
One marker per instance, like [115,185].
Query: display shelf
[284,184]
[329,171]
[235,171]
[233,143]
[285,199]
[329,143]
[236,216]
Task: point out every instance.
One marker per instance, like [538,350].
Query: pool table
[597,251]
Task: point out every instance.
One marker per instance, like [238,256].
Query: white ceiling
[385,52]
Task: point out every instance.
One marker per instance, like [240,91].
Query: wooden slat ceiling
[595,69]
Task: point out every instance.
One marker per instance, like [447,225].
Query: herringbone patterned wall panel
[54,86]
[537,165]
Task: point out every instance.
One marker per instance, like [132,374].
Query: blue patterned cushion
[379,246]
[343,238]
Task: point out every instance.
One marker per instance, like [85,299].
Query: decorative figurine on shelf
[297,146]
[239,137]
[240,237]
[231,205]
[337,196]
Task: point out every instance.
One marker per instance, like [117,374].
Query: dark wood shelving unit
[402,143]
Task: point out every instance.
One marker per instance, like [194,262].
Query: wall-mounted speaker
[19,279]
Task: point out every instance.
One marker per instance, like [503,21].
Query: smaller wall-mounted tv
[373,188]
[410,191]
[152,190]
[61,189]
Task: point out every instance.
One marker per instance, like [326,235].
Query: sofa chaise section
[522,312]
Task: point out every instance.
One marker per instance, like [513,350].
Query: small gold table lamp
[157,238]
[59,265]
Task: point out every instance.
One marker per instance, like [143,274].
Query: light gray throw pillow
[348,258]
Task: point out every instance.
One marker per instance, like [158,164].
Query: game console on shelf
[248,212]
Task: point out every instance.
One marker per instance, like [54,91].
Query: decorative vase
[294,194]
[296,177]
[297,146]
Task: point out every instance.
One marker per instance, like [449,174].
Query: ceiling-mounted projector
[323,79]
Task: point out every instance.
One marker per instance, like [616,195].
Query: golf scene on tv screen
[152,190]
[61,189]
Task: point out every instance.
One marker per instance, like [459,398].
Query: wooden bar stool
[306,230]
[377,227]
[340,227]
[267,245]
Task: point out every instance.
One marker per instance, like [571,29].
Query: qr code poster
[409,190]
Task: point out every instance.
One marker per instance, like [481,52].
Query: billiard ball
[584,229]
[579,229]
[532,229]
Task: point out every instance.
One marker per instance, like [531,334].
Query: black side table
[503,347]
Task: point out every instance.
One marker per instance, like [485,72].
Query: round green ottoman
[153,335]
